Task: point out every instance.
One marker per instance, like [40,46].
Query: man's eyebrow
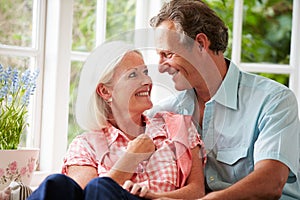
[163,50]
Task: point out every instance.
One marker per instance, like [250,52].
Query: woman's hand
[141,144]
[138,150]
[135,188]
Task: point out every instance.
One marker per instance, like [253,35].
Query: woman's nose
[146,80]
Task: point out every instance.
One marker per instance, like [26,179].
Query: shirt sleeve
[81,153]
[195,140]
[182,129]
[279,132]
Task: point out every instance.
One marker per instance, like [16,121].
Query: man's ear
[203,41]
[103,91]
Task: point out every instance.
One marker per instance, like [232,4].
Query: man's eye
[167,54]
[132,75]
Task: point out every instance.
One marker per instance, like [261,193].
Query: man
[249,124]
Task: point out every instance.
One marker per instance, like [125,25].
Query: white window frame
[57,65]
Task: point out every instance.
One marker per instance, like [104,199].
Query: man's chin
[182,85]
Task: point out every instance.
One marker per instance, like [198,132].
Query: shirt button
[211,178]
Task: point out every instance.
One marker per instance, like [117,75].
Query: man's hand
[135,188]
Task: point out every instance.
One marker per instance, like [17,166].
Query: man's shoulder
[261,84]
[175,104]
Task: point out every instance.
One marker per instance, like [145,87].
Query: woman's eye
[132,75]
[146,71]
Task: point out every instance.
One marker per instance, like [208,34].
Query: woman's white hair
[91,110]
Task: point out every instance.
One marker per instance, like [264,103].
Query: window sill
[38,177]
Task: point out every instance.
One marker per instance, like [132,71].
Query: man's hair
[192,17]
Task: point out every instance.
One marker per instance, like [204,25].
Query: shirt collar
[185,105]
[112,134]
[227,93]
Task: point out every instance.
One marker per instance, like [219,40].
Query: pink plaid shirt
[166,169]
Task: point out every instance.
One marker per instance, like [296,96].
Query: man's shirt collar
[227,94]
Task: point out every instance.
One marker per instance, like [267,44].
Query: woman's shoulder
[87,135]
[93,138]
[96,141]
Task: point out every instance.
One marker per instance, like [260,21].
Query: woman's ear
[103,91]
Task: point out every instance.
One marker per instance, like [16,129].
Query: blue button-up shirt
[249,119]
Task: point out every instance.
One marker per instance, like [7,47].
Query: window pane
[120,18]
[16,22]
[84,19]
[267,31]
[16,62]
[224,10]
[73,128]
[22,63]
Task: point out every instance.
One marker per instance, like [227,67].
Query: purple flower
[16,87]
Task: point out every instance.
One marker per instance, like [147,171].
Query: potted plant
[16,87]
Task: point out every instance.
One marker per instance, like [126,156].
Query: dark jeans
[61,187]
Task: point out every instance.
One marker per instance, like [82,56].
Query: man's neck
[213,79]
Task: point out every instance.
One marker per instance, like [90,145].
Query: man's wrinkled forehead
[173,41]
[166,39]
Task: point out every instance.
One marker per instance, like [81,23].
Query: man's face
[175,58]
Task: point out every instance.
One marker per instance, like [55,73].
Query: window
[272,52]
[22,46]
[89,29]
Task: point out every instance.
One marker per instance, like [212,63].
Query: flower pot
[17,165]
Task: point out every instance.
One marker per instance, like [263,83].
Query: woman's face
[131,85]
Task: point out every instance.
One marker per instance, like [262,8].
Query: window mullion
[101,21]
[237,31]
[266,68]
[38,38]
[56,84]
[17,51]
[295,49]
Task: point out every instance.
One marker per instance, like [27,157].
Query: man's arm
[265,182]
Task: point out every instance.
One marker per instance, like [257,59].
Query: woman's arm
[82,174]
[138,150]
[194,187]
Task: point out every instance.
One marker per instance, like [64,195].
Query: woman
[123,154]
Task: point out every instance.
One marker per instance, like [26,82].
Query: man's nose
[162,68]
